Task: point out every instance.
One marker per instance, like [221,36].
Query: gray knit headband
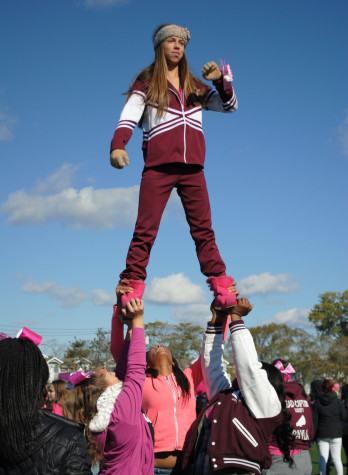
[171,30]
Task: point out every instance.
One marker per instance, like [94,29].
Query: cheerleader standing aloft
[167,101]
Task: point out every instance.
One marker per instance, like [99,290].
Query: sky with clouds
[276,169]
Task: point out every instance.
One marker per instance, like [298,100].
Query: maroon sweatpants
[155,188]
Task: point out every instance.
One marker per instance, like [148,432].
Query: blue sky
[276,169]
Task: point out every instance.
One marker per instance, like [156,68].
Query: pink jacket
[126,441]
[169,413]
[163,402]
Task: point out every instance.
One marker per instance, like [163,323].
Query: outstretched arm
[258,393]
[130,398]
[118,346]
[215,377]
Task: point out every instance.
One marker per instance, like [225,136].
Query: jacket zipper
[175,418]
[244,431]
[183,116]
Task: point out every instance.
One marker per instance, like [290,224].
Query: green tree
[273,341]
[305,356]
[337,359]
[100,349]
[183,339]
[330,316]
[186,340]
[78,349]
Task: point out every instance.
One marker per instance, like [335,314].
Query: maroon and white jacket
[177,136]
[243,420]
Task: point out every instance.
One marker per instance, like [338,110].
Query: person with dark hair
[301,419]
[169,402]
[330,413]
[118,435]
[315,391]
[344,397]
[231,433]
[32,440]
[167,101]
[168,395]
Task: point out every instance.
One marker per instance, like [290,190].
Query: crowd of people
[149,416]
[142,419]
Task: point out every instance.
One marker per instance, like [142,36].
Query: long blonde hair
[155,78]
[86,396]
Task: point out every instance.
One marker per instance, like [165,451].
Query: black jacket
[59,448]
[329,413]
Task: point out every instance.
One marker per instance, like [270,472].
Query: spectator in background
[315,390]
[337,389]
[344,396]
[329,412]
[55,394]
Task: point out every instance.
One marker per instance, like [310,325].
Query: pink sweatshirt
[163,402]
[127,441]
[166,408]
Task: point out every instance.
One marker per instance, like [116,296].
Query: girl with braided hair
[166,100]
[33,440]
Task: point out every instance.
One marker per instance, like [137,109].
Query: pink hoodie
[170,414]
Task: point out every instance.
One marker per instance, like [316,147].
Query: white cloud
[58,180]
[6,125]
[69,297]
[266,283]
[343,134]
[294,317]
[55,200]
[102,298]
[86,208]
[176,289]
[104,3]
[197,314]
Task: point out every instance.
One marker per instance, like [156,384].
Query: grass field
[315,461]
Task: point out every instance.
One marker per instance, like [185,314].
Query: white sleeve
[214,375]
[258,393]
[132,111]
